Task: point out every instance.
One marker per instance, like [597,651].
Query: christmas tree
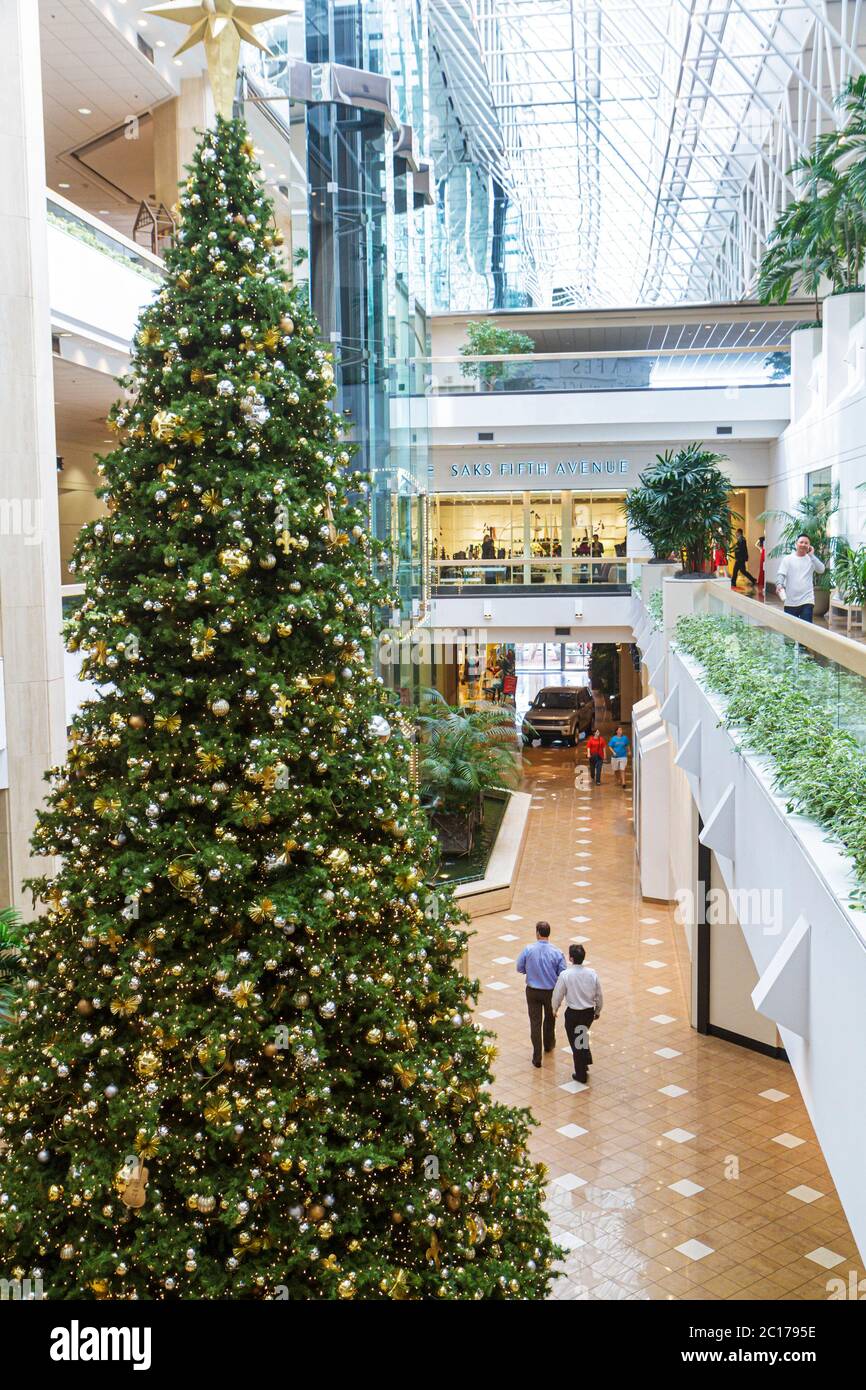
[244,1064]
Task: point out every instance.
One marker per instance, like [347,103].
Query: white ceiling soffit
[82,399]
[645,143]
[95,78]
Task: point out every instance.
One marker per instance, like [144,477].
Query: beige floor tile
[624,1210]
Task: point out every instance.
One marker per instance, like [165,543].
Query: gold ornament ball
[55,1193]
[147,1063]
[84,1006]
[270,1049]
[67,1252]
[346,1289]
[374,1035]
[287,324]
[136,721]
[220,708]
[317,1211]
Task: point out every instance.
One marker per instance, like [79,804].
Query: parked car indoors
[563,712]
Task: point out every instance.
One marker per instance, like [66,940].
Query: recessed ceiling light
[64,185]
[160,43]
[178,63]
[104,212]
[84,111]
[143,23]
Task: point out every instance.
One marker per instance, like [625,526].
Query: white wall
[93,293]
[733,974]
[757,414]
[828,426]
[532,617]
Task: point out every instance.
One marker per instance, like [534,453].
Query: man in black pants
[741,559]
[580,987]
[542,964]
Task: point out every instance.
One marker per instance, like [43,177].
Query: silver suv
[566,712]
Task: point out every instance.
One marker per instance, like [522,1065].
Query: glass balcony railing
[829,686]
[730,370]
[457,576]
[96,234]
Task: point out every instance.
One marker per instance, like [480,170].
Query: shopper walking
[619,755]
[596,749]
[795,581]
[542,964]
[580,987]
[762,553]
[741,560]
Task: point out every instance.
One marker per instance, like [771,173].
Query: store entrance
[539,664]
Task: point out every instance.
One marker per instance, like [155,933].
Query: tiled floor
[688,1168]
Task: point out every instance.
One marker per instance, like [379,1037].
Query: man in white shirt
[795,580]
[580,987]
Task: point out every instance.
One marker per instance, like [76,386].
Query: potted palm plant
[466,751]
[819,238]
[849,574]
[485,339]
[811,517]
[682,508]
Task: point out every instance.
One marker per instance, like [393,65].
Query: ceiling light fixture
[64,185]
[84,111]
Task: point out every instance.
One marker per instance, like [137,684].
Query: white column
[841,313]
[30,613]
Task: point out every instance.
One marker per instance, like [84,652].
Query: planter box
[455,830]
[494,892]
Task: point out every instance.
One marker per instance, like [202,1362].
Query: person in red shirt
[596,749]
[763,555]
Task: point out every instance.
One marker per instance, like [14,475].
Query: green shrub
[790,708]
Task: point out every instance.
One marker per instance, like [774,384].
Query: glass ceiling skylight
[644,147]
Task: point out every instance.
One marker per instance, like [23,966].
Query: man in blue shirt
[618,746]
[542,964]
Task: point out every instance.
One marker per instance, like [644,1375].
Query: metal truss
[647,144]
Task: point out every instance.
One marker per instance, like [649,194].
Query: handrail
[122,245]
[832,645]
[741,350]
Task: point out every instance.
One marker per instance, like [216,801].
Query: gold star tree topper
[220,25]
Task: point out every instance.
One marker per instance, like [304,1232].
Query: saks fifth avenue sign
[537,468]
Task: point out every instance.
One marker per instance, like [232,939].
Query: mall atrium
[432,653]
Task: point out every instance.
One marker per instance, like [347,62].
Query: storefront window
[523,538]
[474,537]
